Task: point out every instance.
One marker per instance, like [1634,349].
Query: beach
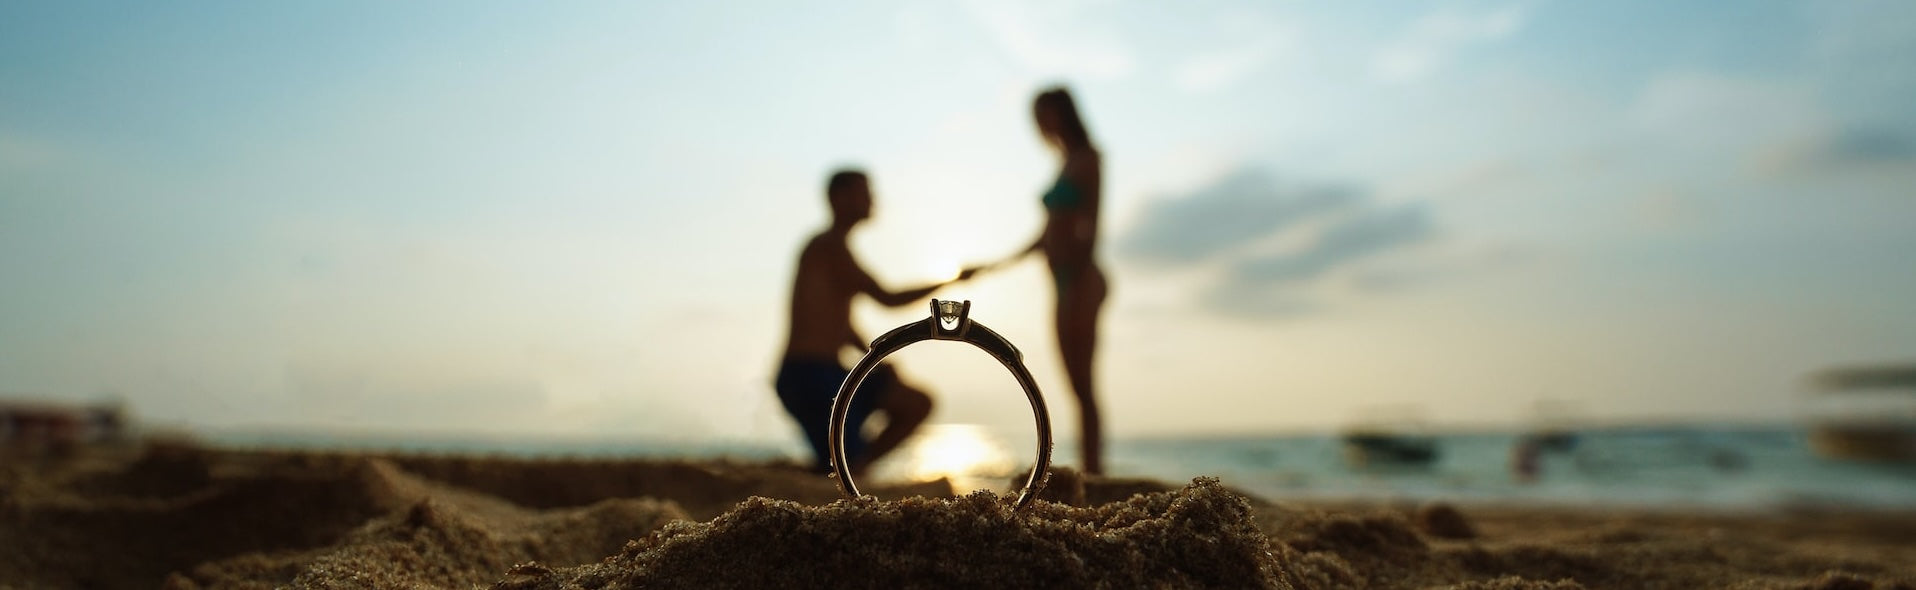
[184,515]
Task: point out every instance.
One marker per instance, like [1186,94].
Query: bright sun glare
[967,454]
[947,271]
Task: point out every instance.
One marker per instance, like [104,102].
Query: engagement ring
[950,320]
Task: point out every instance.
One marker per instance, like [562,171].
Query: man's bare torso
[827,280]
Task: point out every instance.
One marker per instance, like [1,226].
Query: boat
[1390,437]
[34,427]
[1864,413]
[1376,448]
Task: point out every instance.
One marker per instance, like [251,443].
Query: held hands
[974,270]
[963,275]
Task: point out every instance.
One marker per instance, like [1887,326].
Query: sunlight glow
[947,271]
[967,454]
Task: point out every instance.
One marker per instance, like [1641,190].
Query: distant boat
[1370,448]
[1865,413]
[35,427]
[1390,437]
[1556,425]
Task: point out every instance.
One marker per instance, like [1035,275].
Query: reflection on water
[967,454]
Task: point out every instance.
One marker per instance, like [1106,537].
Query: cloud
[1698,121]
[1862,57]
[1244,299]
[1872,145]
[1846,151]
[1668,208]
[1237,210]
[21,153]
[1277,285]
[1355,237]
[1273,242]
[1054,39]
[1705,113]
[1219,70]
[1433,39]
[1384,280]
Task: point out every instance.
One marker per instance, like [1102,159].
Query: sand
[181,516]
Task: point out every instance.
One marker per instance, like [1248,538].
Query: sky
[582,220]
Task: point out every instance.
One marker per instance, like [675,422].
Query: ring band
[950,320]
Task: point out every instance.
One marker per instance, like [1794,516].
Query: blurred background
[477,221]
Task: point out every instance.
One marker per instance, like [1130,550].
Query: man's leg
[905,410]
[806,389]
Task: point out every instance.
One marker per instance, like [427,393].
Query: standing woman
[1068,241]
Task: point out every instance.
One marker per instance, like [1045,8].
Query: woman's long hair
[1070,134]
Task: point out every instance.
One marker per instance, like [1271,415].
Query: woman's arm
[1036,245]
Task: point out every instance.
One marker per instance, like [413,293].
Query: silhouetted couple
[829,278]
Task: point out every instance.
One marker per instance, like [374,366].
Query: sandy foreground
[181,516]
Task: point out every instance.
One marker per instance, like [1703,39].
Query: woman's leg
[1077,324]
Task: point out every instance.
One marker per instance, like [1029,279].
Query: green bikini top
[1063,195]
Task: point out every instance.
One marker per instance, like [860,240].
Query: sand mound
[1199,537]
[1538,549]
[702,489]
[439,544]
[149,528]
[197,518]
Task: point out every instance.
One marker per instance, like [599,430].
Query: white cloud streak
[1434,39]
[1054,39]
[1222,69]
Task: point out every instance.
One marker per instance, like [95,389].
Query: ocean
[1712,467]
[1708,467]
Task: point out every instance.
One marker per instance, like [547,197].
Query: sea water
[1726,467]
[1688,467]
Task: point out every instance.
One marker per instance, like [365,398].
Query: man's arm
[869,286]
[902,298]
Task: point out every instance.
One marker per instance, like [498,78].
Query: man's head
[850,194]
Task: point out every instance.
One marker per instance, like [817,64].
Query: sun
[945,270]
[966,454]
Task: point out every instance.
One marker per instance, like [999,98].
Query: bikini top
[1063,195]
